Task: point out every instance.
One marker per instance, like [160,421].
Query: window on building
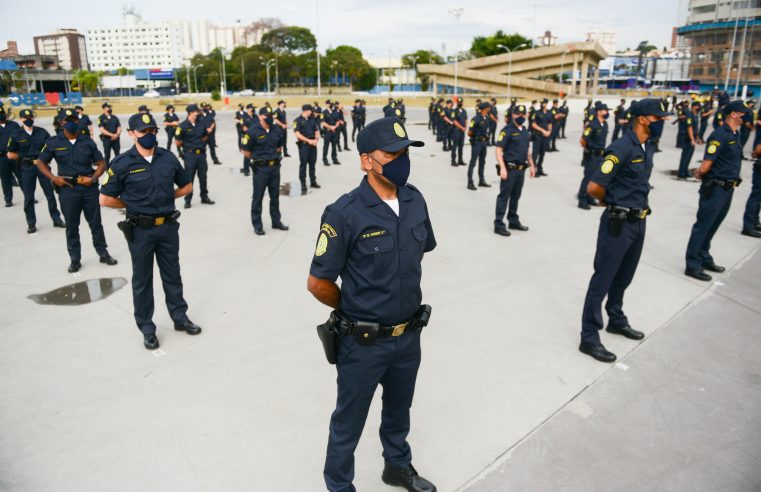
[704,9]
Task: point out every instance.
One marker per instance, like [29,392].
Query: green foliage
[215,95]
[420,57]
[489,45]
[290,39]
[347,61]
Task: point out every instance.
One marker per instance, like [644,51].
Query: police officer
[143,180]
[621,120]
[493,120]
[208,118]
[355,110]
[513,157]
[478,132]
[751,224]
[341,113]
[249,118]
[239,115]
[281,120]
[621,183]
[688,133]
[720,175]
[747,127]
[24,145]
[459,118]
[557,115]
[706,110]
[171,122]
[144,109]
[446,125]
[541,126]
[10,174]
[307,132]
[262,144]
[85,124]
[330,126]
[191,138]
[374,238]
[511,110]
[656,129]
[77,183]
[431,106]
[110,131]
[593,140]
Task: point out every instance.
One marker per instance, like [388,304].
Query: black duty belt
[517,166]
[596,152]
[148,221]
[266,163]
[631,213]
[196,151]
[481,139]
[726,184]
[26,161]
[74,180]
[350,327]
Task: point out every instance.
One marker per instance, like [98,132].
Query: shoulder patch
[328,229]
[322,245]
[587,132]
[607,166]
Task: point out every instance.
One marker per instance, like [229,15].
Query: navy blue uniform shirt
[377,254]
[146,187]
[543,119]
[109,122]
[329,117]
[171,118]
[462,117]
[28,146]
[479,125]
[5,134]
[514,141]
[307,127]
[262,144]
[280,115]
[625,171]
[595,135]
[724,148]
[73,160]
[83,125]
[192,136]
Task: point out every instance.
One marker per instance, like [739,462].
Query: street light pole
[457,13]
[317,40]
[267,68]
[195,75]
[510,65]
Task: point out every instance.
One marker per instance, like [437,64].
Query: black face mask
[108,111]
[268,120]
[29,122]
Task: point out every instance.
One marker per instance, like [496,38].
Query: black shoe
[751,233]
[207,201]
[74,266]
[758,227]
[31,229]
[108,259]
[597,352]
[246,173]
[407,478]
[454,164]
[59,223]
[187,204]
[217,162]
[593,203]
[326,163]
[347,148]
[518,227]
[698,274]
[259,232]
[188,327]
[8,204]
[542,173]
[502,231]
[461,163]
[286,155]
[484,184]
[304,189]
[150,342]
[336,163]
[280,227]
[584,206]
[713,267]
[315,185]
[626,331]
[471,186]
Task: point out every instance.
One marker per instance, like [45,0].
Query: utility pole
[457,13]
[317,40]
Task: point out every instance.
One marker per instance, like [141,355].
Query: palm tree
[643,48]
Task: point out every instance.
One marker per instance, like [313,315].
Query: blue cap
[649,107]
[192,108]
[736,106]
[521,109]
[601,106]
[141,121]
[265,110]
[26,113]
[67,114]
[387,134]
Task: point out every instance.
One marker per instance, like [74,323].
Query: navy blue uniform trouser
[196,164]
[331,139]
[29,177]
[169,138]
[75,201]
[591,163]
[713,206]
[703,127]
[111,146]
[753,205]
[492,131]
[510,190]
[477,152]
[616,130]
[163,242]
[8,170]
[392,362]
[346,138]
[616,261]
[266,178]
[307,158]
[212,144]
[554,136]
[538,148]
[458,142]
[684,161]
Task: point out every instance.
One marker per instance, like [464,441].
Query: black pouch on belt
[421,318]
[127,228]
[616,222]
[366,333]
[328,333]
[706,189]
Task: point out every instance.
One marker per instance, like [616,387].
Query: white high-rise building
[606,39]
[203,35]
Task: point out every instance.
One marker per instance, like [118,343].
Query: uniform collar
[370,198]
[633,137]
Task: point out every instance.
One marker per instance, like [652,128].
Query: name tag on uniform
[372,234]
[637,161]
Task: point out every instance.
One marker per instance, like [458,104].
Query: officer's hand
[692,143]
[59,181]
[86,180]
[533,172]
[502,173]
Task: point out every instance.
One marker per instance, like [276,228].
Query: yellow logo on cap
[663,108]
[399,130]
[146,119]
[68,112]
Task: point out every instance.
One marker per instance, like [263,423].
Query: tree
[489,45]
[253,32]
[347,60]
[412,60]
[643,48]
[290,39]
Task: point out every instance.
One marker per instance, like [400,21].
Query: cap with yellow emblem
[386,134]
[141,121]
[67,114]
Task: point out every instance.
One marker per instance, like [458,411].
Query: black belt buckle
[366,333]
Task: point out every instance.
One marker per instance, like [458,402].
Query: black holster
[616,221]
[706,189]
[421,318]
[127,227]
[329,333]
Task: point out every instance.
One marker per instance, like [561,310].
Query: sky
[379,28]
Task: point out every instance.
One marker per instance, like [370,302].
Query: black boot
[407,478]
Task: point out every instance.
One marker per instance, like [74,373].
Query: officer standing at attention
[262,144]
[249,118]
[593,141]
[240,114]
[24,145]
[747,127]
[513,157]
[479,137]
[77,183]
[191,138]
[307,132]
[720,175]
[541,126]
[110,131]
[564,111]
[375,238]
[751,223]
[143,180]
[144,109]
[330,129]
[208,119]
[493,121]
[8,169]
[621,120]
[171,122]
[459,119]
[706,110]
[556,117]
[688,132]
[389,109]
[281,120]
[621,183]
[85,125]
[355,119]
[341,114]
[446,125]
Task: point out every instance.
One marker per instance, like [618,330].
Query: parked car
[246,92]
[152,94]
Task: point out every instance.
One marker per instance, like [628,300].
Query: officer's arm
[596,191]
[185,190]
[12,149]
[501,162]
[325,291]
[691,134]
[111,201]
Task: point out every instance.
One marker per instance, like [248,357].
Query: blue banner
[48,98]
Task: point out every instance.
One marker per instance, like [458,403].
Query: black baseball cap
[736,106]
[601,106]
[169,106]
[67,114]
[306,107]
[26,113]
[386,134]
[265,110]
[484,105]
[141,121]
[143,107]
[250,106]
[79,108]
[192,108]
[649,107]
[105,105]
[519,109]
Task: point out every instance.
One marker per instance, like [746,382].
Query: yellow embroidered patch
[587,132]
[146,119]
[244,139]
[711,149]
[607,166]
[398,112]
[322,245]
[110,171]
[108,175]
[368,235]
[399,130]
[328,229]
[135,171]
[501,135]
